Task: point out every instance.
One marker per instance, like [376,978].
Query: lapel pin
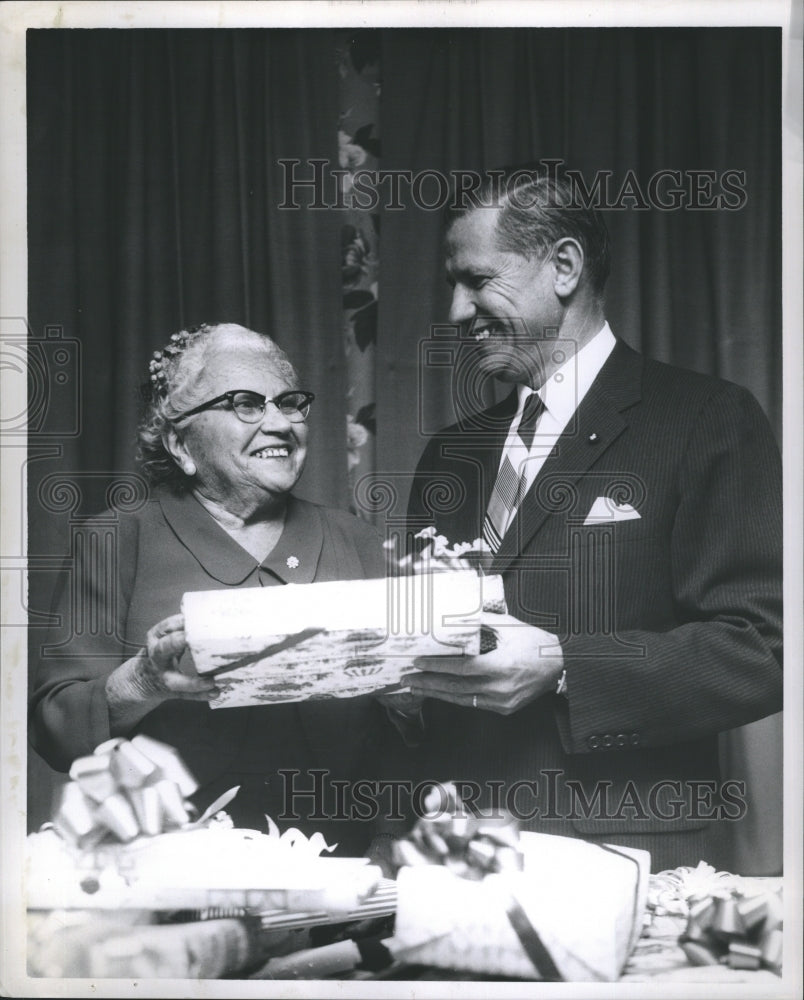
[292,562]
[593,438]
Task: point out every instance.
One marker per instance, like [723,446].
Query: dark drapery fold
[155,186]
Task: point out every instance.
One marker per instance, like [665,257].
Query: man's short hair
[537,207]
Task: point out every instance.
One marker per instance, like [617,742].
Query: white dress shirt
[561,394]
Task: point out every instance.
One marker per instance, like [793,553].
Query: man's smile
[485,328]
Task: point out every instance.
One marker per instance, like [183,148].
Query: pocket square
[605,511]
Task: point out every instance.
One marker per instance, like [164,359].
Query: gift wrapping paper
[333,640]
[583,901]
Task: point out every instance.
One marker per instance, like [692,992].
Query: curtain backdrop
[154,202]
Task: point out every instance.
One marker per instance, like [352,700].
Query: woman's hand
[160,670]
[156,674]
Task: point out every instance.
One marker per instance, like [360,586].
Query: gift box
[128,881]
[195,869]
[333,640]
[124,837]
[572,912]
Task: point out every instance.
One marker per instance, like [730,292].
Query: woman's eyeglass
[250,406]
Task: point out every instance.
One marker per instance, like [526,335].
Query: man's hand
[526,664]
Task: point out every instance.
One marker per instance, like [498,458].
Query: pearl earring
[189,467]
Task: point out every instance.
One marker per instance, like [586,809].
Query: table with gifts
[128,882]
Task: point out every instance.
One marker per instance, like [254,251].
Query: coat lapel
[482,440]
[597,423]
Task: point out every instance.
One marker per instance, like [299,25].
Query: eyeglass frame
[229,398]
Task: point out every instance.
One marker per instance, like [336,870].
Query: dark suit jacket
[670,624]
[128,572]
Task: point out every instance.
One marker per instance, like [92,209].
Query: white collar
[567,386]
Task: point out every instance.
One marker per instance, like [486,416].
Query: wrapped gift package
[130,945]
[124,837]
[194,869]
[333,640]
[128,881]
[574,912]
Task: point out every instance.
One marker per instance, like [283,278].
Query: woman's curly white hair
[174,372]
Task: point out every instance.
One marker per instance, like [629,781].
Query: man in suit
[634,512]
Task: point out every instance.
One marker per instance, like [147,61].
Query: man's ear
[568,261]
[175,445]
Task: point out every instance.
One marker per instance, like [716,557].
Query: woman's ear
[174,444]
[568,261]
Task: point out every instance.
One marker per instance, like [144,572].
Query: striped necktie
[510,485]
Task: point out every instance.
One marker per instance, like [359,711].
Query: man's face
[505,301]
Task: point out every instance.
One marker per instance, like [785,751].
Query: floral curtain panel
[359,149]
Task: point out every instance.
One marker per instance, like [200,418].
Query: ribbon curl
[432,554]
[734,929]
[466,845]
[126,789]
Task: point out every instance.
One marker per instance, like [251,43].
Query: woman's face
[242,467]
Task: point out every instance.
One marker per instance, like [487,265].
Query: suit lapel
[479,440]
[597,423]
[494,435]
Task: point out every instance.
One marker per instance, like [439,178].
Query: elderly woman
[223,443]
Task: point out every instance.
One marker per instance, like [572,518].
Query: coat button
[635,739]
[622,739]
[593,742]
[607,740]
